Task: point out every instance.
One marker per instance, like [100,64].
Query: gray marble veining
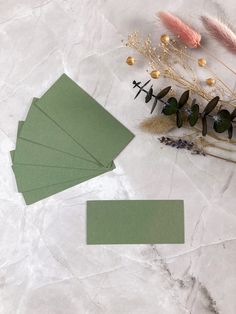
[45,266]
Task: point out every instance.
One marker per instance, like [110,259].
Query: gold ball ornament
[210,81]
[202,62]
[155,74]
[165,39]
[130,60]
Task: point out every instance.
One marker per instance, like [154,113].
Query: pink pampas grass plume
[221,32]
[188,36]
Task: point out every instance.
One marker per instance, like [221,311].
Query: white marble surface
[45,265]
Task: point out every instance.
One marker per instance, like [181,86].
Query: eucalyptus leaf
[193,114]
[149,95]
[171,107]
[204,126]
[210,106]
[222,121]
[183,99]
[233,114]
[163,92]
[154,104]
[179,119]
[230,131]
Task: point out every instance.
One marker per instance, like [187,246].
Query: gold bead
[202,62]
[130,60]
[210,81]
[165,39]
[155,74]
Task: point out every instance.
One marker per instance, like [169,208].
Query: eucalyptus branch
[223,120]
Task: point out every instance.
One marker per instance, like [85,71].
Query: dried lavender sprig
[182,144]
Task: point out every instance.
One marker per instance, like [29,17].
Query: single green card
[86,121]
[36,195]
[20,125]
[30,177]
[135,222]
[34,154]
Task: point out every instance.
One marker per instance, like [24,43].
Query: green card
[34,154]
[31,153]
[87,122]
[36,195]
[20,125]
[30,177]
[135,222]
[12,152]
[39,128]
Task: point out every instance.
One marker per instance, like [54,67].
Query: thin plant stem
[217,59]
[208,68]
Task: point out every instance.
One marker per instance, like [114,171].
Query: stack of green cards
[67,138]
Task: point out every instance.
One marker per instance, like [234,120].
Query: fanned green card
[39,128]
[35,154]
[66,139]
[32,153]
[135,222]
[30,177]
[86,121]
[36,195]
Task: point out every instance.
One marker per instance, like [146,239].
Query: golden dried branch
[175,63]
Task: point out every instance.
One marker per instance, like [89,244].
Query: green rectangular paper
[24,155]
[36,195]
[35,154]
[40,129]
[86,121]
[30,177]
[20,125]
[31,153]
[135,222]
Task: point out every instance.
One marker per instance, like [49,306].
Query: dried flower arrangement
[172,60]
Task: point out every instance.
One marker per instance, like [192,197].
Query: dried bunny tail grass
[158,124]
[189,36]
[221,32]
